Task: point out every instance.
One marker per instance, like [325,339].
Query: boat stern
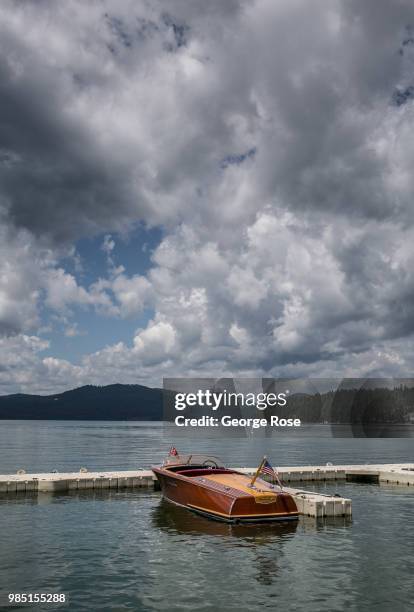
[265,506]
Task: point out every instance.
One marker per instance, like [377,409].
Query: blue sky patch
[235,159]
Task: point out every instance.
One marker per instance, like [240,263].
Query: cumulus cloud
[18,284]
[156,343]
[21,363]
[271,141]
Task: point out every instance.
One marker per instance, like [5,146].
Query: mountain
[139,403]
[111,402]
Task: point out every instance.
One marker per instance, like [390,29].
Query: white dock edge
[74,481]
[403,476]
[319,505]
[392,473]
[309,503]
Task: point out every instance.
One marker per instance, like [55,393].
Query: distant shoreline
[134,403]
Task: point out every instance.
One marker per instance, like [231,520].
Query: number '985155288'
[22,598]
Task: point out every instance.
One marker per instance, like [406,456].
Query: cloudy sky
[205,188]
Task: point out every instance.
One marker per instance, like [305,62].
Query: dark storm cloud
[57,183]
[402,96]
[88,140]
[325,95]
[331,94]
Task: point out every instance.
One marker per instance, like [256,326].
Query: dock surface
[309,503]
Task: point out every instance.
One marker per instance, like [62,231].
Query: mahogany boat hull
[227,498]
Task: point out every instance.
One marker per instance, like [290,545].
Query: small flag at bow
[173,452]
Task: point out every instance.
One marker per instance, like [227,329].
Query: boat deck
[239,483]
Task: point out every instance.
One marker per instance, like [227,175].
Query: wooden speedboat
[202,484]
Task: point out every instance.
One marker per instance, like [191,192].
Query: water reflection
[44,498]
[174,519]
[311,525]
[262,543]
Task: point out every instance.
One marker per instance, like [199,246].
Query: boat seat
[204,471]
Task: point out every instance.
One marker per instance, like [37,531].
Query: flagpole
[279,482]
[257,472]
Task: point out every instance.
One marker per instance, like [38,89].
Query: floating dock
[309,503]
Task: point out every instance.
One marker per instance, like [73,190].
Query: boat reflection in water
[262,544]
[173,519]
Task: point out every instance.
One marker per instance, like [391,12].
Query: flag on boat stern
[269,471]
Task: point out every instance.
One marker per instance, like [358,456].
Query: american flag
[173,452]
[267,469]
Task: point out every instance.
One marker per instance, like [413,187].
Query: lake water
[131,551]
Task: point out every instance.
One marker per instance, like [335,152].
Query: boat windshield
[193,460]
